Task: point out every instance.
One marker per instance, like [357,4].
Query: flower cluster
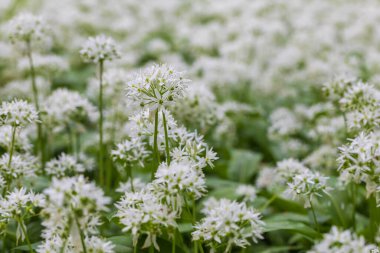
[99,49]
[26,28]
[302,183]
[64,165]
[338,241]
[17,113]
[228,223]
[18,205]
[142,213]
[157,86]
[63,107]
[72,207]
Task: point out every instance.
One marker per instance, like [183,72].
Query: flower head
[157,86]
[228,222]
[26,27]
[17,113]
[99,49]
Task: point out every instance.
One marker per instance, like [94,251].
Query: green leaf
[26,247]
[123,244]
[243,165]
[278,223]
[185,227]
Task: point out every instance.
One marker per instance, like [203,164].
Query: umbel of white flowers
[26,28]
[99,49]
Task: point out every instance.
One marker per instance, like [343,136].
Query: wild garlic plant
[272,146]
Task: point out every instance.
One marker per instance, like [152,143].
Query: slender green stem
[101,161]
[200,247]
[155,145]
[314,216]
[273,198]
[194,220]
[21,223]
[337,209]
[354,206]
[173,242]
[36,102]
[11,149]
[134,248]
[151,248]
[374,218]
[80,233]
[167,148]
[130,177]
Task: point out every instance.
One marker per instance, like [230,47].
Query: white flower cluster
[137,183]
[177,181]
[157,86]
[359,160]
[133,151]
[18,205]
[72,206]
[17,113]
[248,192]
[143,213]
[64,165]
[63,107]
[21,141]
[99,49]
[338,241]
[21,166]
[302,183]
[26,28]
[228,223]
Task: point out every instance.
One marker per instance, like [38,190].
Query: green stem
[26,235]
[374,216]
[273,198]
[173,242]
[194,220]
[101,166]
[167,148]
[200,247]
[155,145]
[11,149]
[80,233]
[151,248]
[337,210]
[314,216]
[354,206]
[62,250]
[36,102]
[130,177]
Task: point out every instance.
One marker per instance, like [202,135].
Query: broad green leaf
[243,165]
[26,247]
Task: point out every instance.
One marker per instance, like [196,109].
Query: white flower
[306,185]
[286,169]
[22,166]
[359,158]
[283,123]
[248,192]
[143,213]
[338,241]
[72,198]
[178,180]
[228,223]
[64,165]
[26,27]
[98,245]
[125,187]
[21,141]
[156,87]
[64,106]
[99,49]
[265,178]
[131,151]
[17,113]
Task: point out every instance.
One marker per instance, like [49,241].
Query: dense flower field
[190,126]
